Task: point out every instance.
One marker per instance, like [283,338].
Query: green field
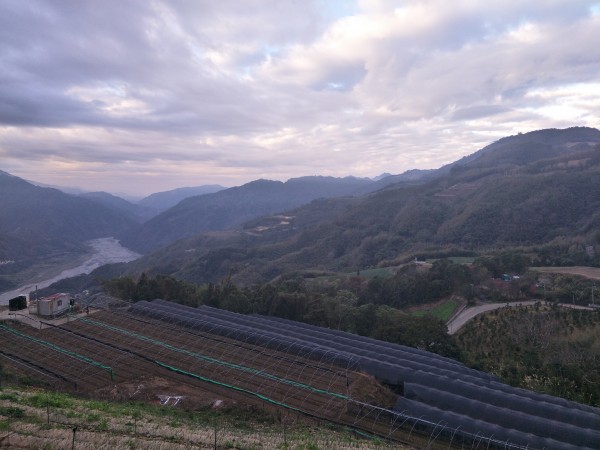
[456,259]
[442,311]
[382,272]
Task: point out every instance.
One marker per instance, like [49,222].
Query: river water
[106,251]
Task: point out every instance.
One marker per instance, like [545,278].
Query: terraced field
[97,353]
[204,355]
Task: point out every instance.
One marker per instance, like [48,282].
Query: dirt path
[583,271]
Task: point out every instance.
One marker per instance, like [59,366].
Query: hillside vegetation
[355,304]
[43,224]
[230,207]
[161,201]
[547,348]
[544,348]
[538,192]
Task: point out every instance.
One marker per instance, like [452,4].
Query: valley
[300,225]
[389,261]
[103,251]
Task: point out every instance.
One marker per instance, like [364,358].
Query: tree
[425,332]
[145,289]
[124,287]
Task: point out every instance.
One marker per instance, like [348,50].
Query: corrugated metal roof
[53,297]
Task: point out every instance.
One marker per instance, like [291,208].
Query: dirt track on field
[592,273]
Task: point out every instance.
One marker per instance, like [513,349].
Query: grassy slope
[37,419]
[442,311]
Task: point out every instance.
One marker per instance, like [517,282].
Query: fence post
[215,433]
[73,443]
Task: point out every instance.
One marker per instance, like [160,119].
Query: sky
[135,97]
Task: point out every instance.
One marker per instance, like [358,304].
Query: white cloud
[573,102]
[225,92]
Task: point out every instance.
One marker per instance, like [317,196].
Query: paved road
[457,322]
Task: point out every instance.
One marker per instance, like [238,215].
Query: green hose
[217,361]
[229,386]
[59,349]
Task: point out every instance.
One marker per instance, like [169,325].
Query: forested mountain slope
[231,207]
[161,201]
[515,194]
[135,212]
[37,223]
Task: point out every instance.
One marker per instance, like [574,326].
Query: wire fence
[54,427]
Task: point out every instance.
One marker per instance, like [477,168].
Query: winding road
[459,320]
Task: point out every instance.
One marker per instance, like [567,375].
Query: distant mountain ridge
[30,208]
[137,213]
[230,207]
[161,201]
[532,189]
[39,223]
[554,141]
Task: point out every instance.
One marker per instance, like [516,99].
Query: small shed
[53,304]
[17,303]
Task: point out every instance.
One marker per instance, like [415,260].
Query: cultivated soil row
[121,356]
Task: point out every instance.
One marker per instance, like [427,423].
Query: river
[106,251]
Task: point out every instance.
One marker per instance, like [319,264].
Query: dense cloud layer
[145,96]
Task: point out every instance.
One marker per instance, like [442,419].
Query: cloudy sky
[143,96]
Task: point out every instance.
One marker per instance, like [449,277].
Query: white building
[54,304]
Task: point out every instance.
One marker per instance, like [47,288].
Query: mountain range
[44,227]
[533,189]
[161,201]
[539,189]
[43,224]
[230,207]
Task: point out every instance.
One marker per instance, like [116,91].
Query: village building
[53,305]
